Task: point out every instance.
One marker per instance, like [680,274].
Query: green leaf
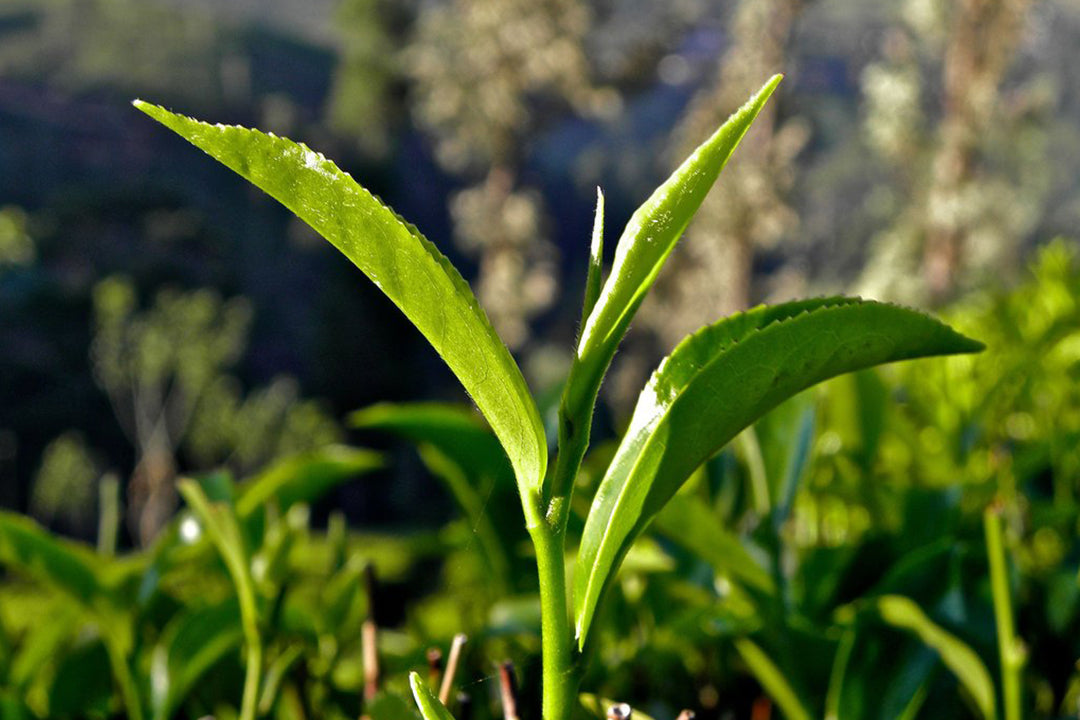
[772,679]
[30,550]
[454,429]
[190,645]
[305,477]
[402,263]
[904,613]
[596,260]
[646,242]
[429,705]
[716,383]
[458,449]
[688,522]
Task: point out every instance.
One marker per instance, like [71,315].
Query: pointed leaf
[717,382]
[400,261]
[596,260]
[429,705]
[904,613]
[645,244]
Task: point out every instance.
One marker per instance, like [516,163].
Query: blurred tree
[165,369]
[712,273]
[16,244]
[487,74]
[359,101]
[93,44]
[975,186]
[65,487]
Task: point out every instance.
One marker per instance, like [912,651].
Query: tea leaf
[401,262]
[717,382]
[646,242]
[904,613]
[596,260]
[429,705]
[29,549]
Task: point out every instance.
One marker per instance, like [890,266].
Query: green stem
[560,678]
[249,703]
[1010,650]
[122,672]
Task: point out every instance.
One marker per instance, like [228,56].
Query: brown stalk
[451,667]
[508,690]
[434,661]
[369,637]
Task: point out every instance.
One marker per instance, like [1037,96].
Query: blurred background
[159,318]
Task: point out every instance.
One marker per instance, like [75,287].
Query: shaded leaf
[690,523]
[191,644]
[29,549]
[401,262]
[454,429]
[904,613]
[716,383]
[305,478]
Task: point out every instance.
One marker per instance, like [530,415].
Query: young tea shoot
[713,385]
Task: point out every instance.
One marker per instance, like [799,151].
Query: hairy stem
[559,673]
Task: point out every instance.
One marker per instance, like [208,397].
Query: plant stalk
[559,673]
[1010,650]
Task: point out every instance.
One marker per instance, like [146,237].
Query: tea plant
[713,385]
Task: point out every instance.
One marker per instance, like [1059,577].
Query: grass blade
[772,679]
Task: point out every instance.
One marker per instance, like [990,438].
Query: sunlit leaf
[904,613]
[642,249]
[596,260]
[429,705]
[401,262]
[717,382]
